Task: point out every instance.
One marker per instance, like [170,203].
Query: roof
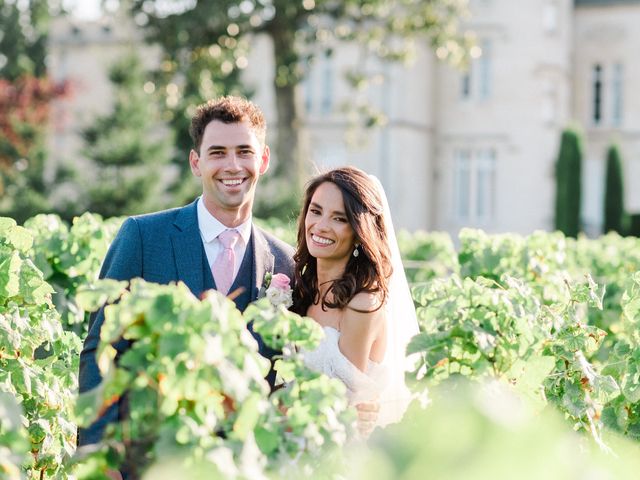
[579,3]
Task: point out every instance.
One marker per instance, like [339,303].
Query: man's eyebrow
[216,147]
[222,147]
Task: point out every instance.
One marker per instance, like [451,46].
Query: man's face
[229,163]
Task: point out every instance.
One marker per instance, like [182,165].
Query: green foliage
[470,329]
[634,224]
[623,414]
[38,360]
[14,445]
[279,205]
[25,95]
[604,260]
[24,188]
[195,385]
[568,184]
[70,258]
[614,214]
[128,150]
[522,310]
[191,73]
[427,255]
[24,38]
[286,231]
[478,329]
[488,432]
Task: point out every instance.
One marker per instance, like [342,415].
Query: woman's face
[328,232]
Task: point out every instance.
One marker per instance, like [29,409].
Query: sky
[85,9]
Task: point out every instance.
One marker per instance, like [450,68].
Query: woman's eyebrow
[335,212]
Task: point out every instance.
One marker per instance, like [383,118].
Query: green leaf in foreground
[92,297]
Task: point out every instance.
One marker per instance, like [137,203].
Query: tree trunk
[289,152]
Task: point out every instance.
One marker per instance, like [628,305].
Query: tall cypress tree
[614,193]
[568,184]
[127,147]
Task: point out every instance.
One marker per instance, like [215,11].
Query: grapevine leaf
[631,386]
[267,441]
[247,417]
[91,297]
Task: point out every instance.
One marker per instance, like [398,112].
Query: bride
[349,278]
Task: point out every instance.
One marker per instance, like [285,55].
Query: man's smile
[232,182]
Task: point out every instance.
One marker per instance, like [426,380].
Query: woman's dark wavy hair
[371,269]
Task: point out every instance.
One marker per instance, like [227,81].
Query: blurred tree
[24,107]
[198,83]
[614,215]
[23,38]
[568,184]
[634,225]
[128,149]
[219,31]
[25,97]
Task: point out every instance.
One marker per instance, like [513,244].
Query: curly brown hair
[371,269]
[227,109]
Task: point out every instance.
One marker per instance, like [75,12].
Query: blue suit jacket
[166,247]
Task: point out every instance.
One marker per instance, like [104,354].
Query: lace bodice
[328,359]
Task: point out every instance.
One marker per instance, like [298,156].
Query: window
[607,95]
[549,102]
[476,81]
[617,94]
[327,84]
[485,183]
[474,185]
[318,85]
[465,85]
[307,86]
[463,183]
[550,16]
[597,94]
[484,66]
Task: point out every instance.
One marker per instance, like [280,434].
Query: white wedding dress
[361,386]
[382,383]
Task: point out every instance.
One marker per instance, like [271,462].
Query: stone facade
[460,148]
[606,36]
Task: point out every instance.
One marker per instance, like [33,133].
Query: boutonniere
[277,288]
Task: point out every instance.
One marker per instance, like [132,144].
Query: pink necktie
[225,263]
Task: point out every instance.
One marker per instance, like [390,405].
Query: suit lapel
[263,259]
[187,248]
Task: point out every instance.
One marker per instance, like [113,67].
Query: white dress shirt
[210,227]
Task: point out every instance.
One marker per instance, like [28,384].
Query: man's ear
[266,155]
[194,162]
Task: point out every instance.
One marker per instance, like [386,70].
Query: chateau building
[460,148]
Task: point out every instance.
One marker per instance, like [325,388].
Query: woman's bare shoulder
[365,302]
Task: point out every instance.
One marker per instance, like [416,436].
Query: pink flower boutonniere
[279,289]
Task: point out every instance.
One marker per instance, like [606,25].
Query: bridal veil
[402,324]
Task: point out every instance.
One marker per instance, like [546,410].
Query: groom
[211,243]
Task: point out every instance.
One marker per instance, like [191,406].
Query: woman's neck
[328,271]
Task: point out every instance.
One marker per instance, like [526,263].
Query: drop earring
[356,252]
